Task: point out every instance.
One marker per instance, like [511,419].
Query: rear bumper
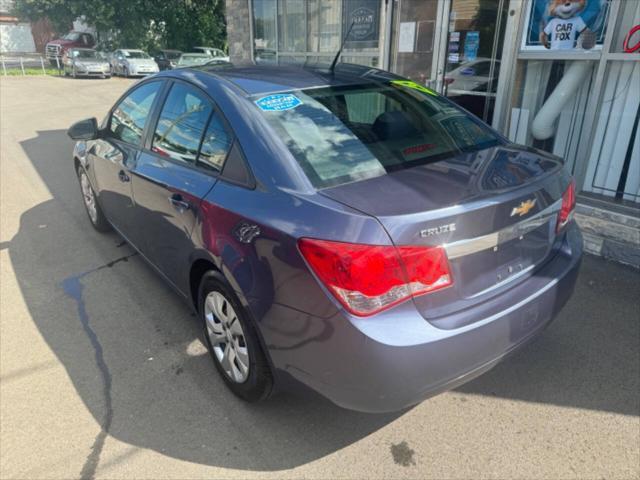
[397,359]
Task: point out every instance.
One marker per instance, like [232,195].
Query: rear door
[114,155]
[180,163]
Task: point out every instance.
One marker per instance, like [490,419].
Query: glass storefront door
[474,51]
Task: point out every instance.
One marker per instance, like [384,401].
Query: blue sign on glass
[471,45]
[278,102]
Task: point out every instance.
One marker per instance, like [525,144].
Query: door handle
[123,176]
[179,203]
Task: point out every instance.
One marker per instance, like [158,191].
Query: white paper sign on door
[407,37]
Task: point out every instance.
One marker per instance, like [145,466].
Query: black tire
[259,382]
[100,222]
[125,72]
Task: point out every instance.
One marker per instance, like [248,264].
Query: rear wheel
[96,216]
[232,340]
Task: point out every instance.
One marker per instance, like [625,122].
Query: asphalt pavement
[103,372]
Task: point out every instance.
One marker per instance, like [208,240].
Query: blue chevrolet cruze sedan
[346,229]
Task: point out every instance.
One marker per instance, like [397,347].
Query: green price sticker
[414,85]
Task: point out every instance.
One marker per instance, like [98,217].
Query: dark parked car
[55,49]
[348,230]
[167,59]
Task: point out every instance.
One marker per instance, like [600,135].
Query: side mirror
[84,130]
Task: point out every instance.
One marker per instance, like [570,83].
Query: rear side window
[215,144]
[181,124]
[130,116]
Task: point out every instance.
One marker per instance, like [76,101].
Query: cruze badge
[524,207]
[428,232]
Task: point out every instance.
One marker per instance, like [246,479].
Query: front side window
[130,116]
[345,134]
[181,124]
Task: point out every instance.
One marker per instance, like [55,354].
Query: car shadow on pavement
[134,352]
[589,357]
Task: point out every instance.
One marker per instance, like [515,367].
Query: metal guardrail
[27,64]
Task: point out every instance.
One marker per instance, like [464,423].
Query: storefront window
[324,24]
[474,53]
[292,22]
[550,100]
[614,163]
[626,38]
[414,36]
[264,30]
[311,31]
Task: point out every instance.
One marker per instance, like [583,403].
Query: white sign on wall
[407,37]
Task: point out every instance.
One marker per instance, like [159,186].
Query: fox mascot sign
[566,25]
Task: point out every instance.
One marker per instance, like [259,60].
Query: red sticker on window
[418,148]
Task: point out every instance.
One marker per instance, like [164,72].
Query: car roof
[262,79]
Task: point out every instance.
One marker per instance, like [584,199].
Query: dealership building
[559,76]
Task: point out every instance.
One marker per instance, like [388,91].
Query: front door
[113,156]
[178,166]
[473,53]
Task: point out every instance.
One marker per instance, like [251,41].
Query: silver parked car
[216,53]
[133,63]
[85,62]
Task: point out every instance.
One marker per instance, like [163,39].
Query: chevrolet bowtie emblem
[524,207]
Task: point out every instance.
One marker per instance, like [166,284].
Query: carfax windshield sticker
[278,102]
[414,85]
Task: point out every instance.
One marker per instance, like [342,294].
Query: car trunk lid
[493,210]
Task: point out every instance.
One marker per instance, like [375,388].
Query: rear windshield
[135,54]
[344,134]
[85,54]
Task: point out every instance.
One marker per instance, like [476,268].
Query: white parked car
[215,53]
[131,63]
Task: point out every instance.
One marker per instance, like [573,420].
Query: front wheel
[95,213]
[232,340]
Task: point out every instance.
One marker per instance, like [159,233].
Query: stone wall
[238,30]
[613,235]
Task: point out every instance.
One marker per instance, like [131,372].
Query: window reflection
[181,124]
[130,116]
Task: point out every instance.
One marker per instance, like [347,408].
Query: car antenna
[344,40]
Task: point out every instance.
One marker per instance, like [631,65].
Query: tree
[149,24]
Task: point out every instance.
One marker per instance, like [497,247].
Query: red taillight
[369,278]
[568,204]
